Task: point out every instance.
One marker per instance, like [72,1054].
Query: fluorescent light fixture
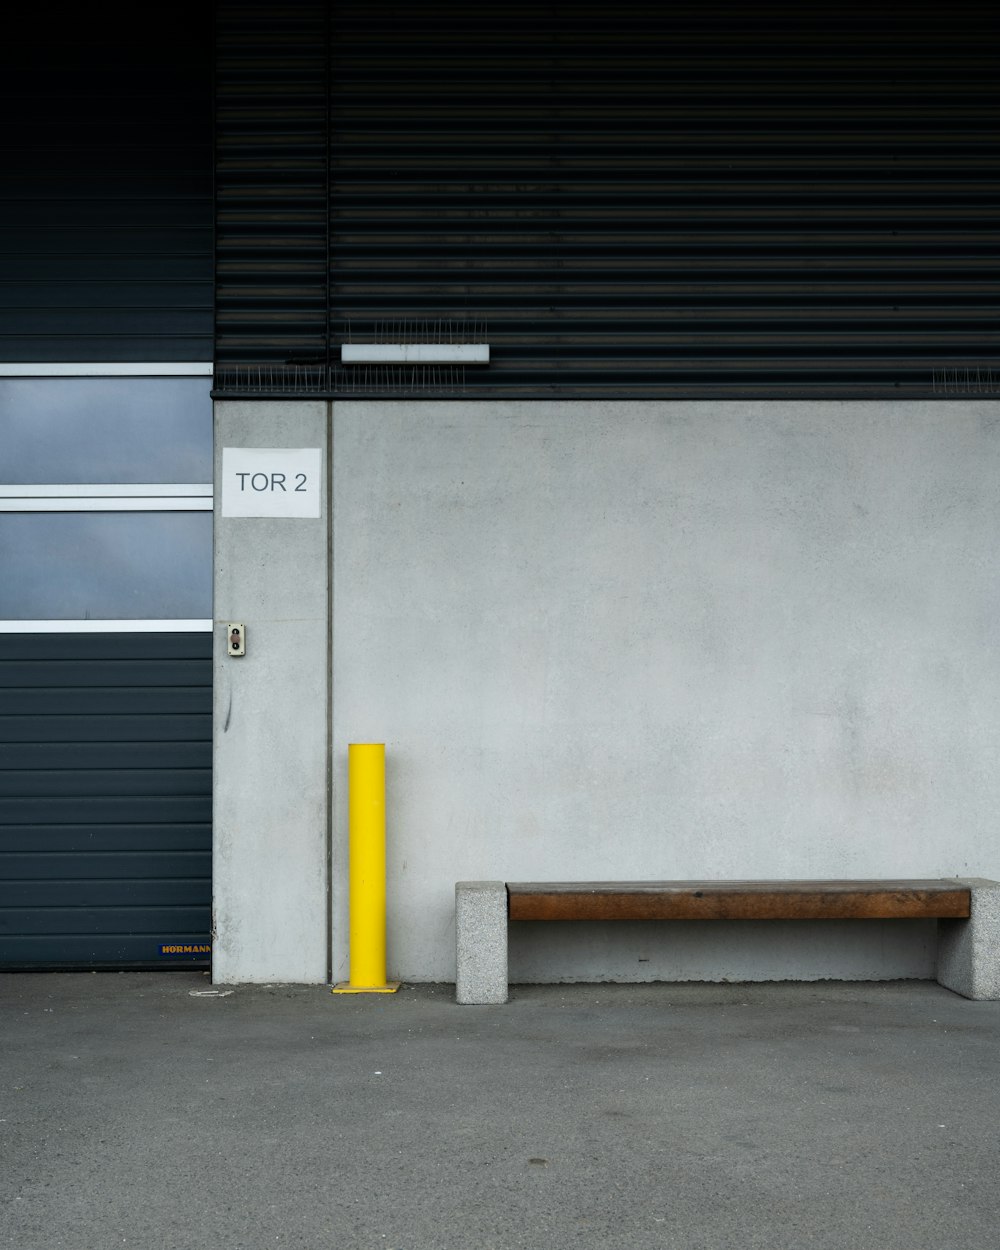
[415,354]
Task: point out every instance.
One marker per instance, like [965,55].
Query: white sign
[272,481]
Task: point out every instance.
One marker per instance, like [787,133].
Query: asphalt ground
[137,1111]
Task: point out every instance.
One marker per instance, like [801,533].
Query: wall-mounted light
[415,354]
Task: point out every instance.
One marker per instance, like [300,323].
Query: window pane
[72,430]
[105,565]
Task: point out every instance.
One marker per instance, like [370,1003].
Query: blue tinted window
[118,430]
[105,565]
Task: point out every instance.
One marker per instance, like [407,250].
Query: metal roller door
[105,800]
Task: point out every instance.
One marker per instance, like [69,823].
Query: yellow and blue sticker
[185,948]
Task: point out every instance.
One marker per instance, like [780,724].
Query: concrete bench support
[481,941]
[968,912]
[968,955]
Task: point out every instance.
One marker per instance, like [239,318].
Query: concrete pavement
[136,1111]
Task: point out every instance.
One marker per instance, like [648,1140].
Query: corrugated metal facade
[105,799]
[106,186]
[695,199]
[272,183]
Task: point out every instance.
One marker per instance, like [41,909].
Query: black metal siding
[639,199]
[272,182]
[106,185]
[105,799]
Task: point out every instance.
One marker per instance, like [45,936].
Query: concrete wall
[644,640]
[271,817]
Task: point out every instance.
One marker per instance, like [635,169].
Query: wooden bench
[967,911]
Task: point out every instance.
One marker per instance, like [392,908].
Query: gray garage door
[105,800]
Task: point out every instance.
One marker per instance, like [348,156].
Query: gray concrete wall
[635,640]
[271,818]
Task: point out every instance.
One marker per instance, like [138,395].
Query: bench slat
[739,900]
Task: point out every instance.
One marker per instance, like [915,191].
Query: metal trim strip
[107,503]
[189,626]
[105,369]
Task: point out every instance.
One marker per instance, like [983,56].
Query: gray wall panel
[188,838]
[77,896]
[59,755]
[150,671]
[114,701]
[103,729]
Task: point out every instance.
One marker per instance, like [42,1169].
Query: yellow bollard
[366,801]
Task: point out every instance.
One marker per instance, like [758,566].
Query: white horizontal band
[101,489]
[107,503]
[415,353]
[192,626]
[106,369]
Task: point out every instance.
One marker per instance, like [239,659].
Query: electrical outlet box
[237,638]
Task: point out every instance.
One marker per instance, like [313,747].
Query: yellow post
[366,801]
